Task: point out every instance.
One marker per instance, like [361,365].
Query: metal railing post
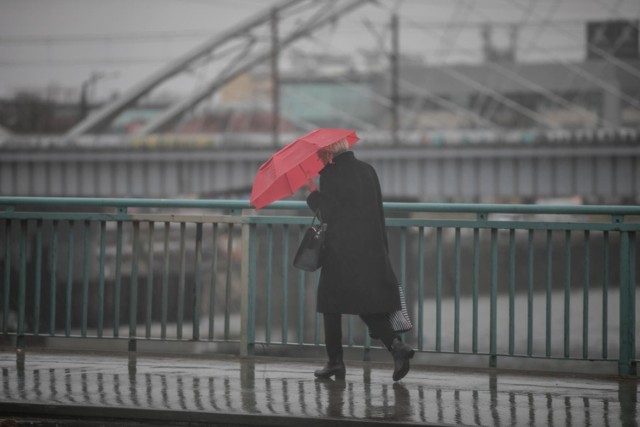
[626,360]
[247,288]
[493,308]
[22,292]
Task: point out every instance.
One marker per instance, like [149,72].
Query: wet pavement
[225,390]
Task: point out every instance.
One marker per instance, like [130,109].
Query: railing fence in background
[522,281]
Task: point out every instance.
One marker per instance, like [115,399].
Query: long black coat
[356,276]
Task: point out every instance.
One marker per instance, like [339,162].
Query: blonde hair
[328,153]
[338,147]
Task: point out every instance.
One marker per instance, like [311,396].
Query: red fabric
[291,167]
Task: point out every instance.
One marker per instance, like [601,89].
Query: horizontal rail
[300,205]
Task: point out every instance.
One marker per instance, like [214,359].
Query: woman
[357,276]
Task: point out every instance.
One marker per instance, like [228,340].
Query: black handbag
[309,254]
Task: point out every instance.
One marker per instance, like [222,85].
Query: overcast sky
[62,42]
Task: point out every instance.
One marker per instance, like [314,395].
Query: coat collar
[344,156]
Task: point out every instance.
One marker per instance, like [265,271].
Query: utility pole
[275,79]
[84,93]
[394,57]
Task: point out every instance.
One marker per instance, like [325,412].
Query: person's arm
[327,204]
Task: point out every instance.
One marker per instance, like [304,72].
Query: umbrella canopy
[291,167]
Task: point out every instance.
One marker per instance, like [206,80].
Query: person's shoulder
[366,165]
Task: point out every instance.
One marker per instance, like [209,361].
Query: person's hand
[311,185]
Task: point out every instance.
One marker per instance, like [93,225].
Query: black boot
[336,368]
[401,352]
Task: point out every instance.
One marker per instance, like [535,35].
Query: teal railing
[528,281]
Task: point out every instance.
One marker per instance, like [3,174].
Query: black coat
[357,276]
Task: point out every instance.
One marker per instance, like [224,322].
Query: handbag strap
[318,216]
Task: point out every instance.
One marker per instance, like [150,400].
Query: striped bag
[399,319]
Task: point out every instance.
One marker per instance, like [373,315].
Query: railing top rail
[241,204]
[125,202]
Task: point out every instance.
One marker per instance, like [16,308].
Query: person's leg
[333,336]
[333,346]
[379,324]
[380,327]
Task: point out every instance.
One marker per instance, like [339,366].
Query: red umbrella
[291,167]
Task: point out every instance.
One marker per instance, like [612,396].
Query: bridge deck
[85,388]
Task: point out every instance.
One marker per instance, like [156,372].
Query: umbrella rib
[291,189]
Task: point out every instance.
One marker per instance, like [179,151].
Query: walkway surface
[111,389]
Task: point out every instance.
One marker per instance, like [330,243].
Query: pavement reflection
[268,387]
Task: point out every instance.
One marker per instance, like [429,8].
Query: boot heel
[330,370]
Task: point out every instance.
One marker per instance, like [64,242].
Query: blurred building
[521,96]
[603,91]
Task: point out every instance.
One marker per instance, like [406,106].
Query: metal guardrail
[597,173]
[528,281]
